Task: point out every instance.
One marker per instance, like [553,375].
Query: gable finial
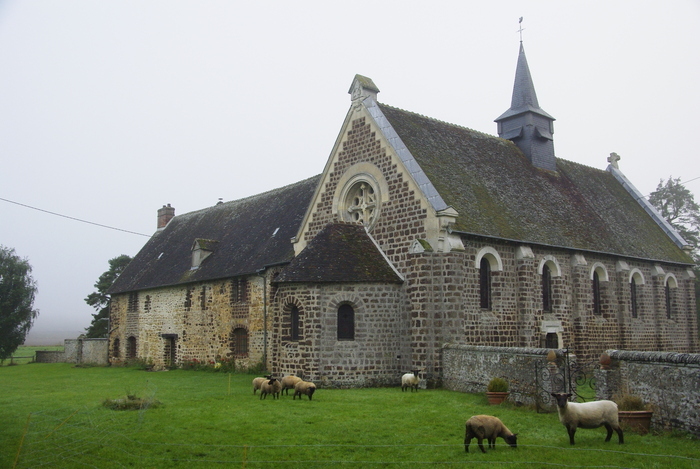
[520,30]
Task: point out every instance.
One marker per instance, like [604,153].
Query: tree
[100,299]
[17,292]
[677,205]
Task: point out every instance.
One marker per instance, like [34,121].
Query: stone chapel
[417,233]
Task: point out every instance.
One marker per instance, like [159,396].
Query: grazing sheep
[288,383]
[587,415]
[257,382]
[486,427]
[304,387]
[271,386]
[410,380]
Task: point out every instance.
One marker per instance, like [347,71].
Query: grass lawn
[25,354]
[52,416]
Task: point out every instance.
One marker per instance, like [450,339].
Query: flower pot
[496,398]
[638,421]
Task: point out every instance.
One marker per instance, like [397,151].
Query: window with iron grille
[239,342]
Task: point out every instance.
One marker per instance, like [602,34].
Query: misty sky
[111,109]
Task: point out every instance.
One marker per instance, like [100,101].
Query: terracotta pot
[638,421]
[496,398]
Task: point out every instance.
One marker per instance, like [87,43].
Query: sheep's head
[561,398]
[512,440]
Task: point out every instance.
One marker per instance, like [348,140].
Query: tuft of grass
[130,402]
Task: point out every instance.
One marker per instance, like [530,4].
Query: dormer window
[201,249]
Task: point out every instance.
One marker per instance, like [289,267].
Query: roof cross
[521,29]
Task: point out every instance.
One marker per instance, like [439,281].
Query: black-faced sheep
[257,382]
[288,383]
[587,415]
[271,386]
[410,380]
[304,388]
[487,427]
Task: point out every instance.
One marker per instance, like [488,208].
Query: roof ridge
[438,120]
[250,197]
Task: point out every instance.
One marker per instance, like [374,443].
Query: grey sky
[110,109]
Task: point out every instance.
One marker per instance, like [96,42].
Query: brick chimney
[165,214]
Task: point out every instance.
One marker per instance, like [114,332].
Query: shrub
[497,385]
[630,402]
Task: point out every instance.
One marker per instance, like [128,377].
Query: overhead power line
[73,218]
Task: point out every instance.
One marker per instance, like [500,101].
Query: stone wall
[78,351]
[469,369]
[169,325]
[669,381]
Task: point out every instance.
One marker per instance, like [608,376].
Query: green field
[25,354]
[52,416]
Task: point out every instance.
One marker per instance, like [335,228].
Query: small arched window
[115,348]
[596,294]
[295,329]
[633,297]
[485,283]
[346,322]
[239,342]
[546,289]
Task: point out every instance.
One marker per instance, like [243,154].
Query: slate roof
[246,235]
[340,252]
[498,193]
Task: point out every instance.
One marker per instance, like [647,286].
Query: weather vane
[520,22]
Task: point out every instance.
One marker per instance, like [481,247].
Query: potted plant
[634,414]
[497,391]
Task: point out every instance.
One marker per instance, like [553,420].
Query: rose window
[361,204]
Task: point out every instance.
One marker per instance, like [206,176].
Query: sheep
[410,380]
[271,386]
[486,427]
[288,383]
[257,382]
[587,415]
[304,387]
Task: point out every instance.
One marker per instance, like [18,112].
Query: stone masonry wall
[199,317]
[470,368]
[670,382]
[373,358]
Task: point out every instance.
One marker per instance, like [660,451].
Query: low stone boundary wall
[78,351]
[49,356]
[468,368]
[669,381]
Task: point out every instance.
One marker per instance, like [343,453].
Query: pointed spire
[525,123]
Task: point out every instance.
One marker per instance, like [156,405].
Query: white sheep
[288,383]
[271,386]
[410,380]
[304,388]
[487,427]
[257,382]
[587,415]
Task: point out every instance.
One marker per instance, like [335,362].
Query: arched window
[485,283]
[546,289]
[115,348]
[596,294]
[633,297]
[131,347]
[239,342]
[294,316]
[669,289]
[346,322]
